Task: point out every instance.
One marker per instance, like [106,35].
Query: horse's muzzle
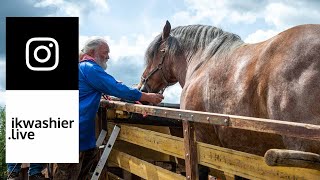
[144,88]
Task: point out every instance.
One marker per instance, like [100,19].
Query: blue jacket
[93,81]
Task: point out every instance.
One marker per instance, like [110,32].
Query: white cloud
[284,15]
[217,12]
[123,47]
[260,35]
[100,3]
[172,94]
[275,16]
[246,17]
[81,8]
[63,7]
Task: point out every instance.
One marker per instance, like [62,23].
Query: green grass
[3,165]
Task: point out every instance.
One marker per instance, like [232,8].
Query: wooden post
[229,176]
[190,147]
[98,122]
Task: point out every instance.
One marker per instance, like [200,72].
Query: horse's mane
[192,38]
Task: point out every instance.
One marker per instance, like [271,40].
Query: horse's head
[160,71]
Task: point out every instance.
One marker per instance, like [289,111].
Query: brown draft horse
[276,79]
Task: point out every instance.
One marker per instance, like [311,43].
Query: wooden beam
[148,120]
[178,114]
[160,142]
[227,160]
[190,148]
[141,168]
[300,130]
[143,153]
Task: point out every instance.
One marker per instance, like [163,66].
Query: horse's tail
[292,158]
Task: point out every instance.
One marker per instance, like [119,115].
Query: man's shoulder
[89,66]
[87,62]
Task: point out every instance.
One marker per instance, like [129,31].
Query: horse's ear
[166,31]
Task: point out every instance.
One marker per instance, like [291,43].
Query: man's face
[102,55]
[104,52]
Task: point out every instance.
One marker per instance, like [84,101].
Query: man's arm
[105,83]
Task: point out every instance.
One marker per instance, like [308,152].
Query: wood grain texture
[227,160]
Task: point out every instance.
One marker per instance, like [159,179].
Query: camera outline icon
[52,43]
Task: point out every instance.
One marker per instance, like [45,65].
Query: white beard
[101,63]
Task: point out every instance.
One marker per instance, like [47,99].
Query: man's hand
[152,98]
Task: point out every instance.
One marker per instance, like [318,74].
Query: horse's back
[277,79]
[289,72]
[293,66]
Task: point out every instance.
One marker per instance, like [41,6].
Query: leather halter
[159,67]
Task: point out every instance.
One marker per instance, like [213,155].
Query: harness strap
[159,67]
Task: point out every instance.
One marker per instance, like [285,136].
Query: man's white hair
[93,44]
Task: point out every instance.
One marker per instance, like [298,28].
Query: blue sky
[129,26]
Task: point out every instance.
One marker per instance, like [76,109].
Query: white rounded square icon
[52,47]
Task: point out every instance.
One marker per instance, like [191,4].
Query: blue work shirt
[93,81]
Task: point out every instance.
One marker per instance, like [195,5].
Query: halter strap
[159,67]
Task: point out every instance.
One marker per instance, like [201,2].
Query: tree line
[3,165]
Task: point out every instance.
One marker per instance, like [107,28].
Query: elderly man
[93,81]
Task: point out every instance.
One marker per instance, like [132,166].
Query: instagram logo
[42,54]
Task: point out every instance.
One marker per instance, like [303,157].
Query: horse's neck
[194,62]
[181,71]
[185,65]
[200,59]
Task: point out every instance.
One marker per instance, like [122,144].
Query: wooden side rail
[301,130]
[227,160]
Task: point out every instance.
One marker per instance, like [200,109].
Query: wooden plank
[300,130]
[140,152]
[164,143]
[191,159]
[227,160]
[248,165]
[141,168]
[178,114]
[146,120]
